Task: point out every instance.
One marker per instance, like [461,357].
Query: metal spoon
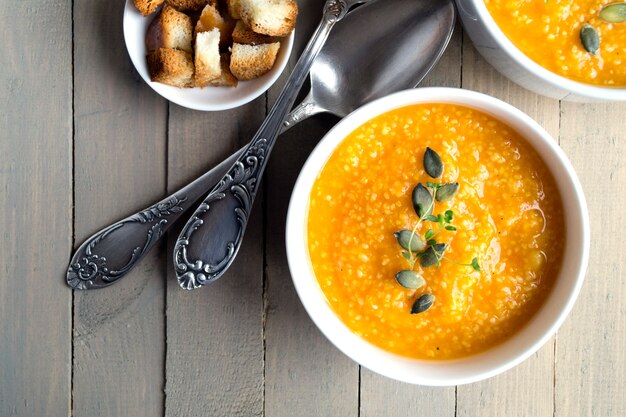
[216,229]
[112,252]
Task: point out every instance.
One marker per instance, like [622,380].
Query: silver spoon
[216,229]
[112,252]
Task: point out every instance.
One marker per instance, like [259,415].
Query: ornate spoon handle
[211,239]
[112,252]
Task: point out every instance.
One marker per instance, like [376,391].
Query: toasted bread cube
[171,66]
[210,19]
[170,29]
[147,7]
[269,17]
[252,61]
[243,34]
[185,5]
[208,66]
[226,79]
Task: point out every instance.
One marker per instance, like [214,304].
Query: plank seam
[167,177]
[73,214]
[358,412]
[265,304]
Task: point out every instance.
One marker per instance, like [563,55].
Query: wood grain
[35,207]
[529,388]
[214,341]
[381,395]
[120,146]
[305,374]
[591,359]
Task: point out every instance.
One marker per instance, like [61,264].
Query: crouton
[170,29]
[269,17]
[243,34]
[207,59]
[226,78]
[184,5]
[210,19]
[171,66]
[252,61]
[147,7]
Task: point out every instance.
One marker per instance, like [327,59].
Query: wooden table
[84,141]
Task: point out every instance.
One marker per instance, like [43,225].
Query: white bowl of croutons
[209,54]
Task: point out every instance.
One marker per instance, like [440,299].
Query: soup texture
[548,32]
[507,214]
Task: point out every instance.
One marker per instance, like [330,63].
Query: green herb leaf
[590,39]
[447,191]
[406,255]
[449,214]
[475,264]
[430,233]
[405,236]
[614,13]
[422,201]
[451,228]
[432,255]
[410,279]
[431,218]
[423,303]
[431,242]
[433,185]
[432,163]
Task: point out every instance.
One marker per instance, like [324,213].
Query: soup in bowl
[437,236]
[570,50]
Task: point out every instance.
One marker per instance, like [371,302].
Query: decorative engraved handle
[210,240]
[302,112]
[112,252]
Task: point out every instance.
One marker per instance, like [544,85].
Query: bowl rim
[396,366]
[509,48]
[177,95]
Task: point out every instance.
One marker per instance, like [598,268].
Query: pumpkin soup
[448,270]
[583,40]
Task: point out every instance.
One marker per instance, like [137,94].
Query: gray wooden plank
[305,375]
[527,389]
[591,359]
[381,395]
[214,362]
[35,207]
[120,167]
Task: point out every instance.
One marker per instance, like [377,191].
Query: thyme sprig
[427,249]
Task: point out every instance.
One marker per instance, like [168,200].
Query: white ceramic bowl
[500,52]
[208,98]
[524,343]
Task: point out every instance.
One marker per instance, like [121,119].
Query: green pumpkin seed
[614,13]
[432,163]
[405,236]
[423,303]
[432,255]
[410,279]
[422,201]
[446,192]
[590,39]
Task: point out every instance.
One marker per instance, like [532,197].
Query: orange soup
[549,33]
[507,214]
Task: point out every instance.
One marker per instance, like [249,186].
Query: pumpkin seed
[405,236]
[432,163]
[590,39]
[446,192]
[423,303]
[614,13]
[432,255]
[410,279]
[422,201]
